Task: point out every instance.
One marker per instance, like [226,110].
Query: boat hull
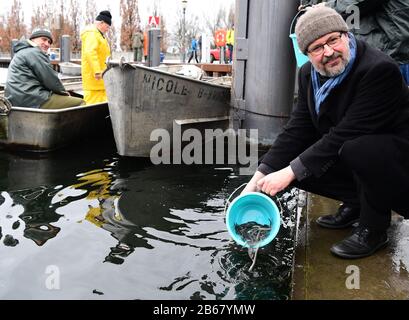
[30,129]
[69,68]
[142,100]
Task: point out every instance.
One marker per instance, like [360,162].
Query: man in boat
[31,80]
[347,137]
[94,53]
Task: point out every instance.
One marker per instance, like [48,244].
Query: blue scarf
[404,68]
[321,93]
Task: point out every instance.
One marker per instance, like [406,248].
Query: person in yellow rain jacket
[94,52]
[230,42]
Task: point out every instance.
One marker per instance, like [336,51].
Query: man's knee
[360,150]
[369,152]
[57,101]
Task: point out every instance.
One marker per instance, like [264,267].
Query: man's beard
[338,69]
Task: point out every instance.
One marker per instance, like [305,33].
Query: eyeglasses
[331,42]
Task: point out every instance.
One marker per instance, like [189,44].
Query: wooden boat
[143,99]
[31,129]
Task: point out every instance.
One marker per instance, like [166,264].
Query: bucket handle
[228,199]
[238,188]
[302,11]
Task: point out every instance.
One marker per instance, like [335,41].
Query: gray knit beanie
[41,32]
[316,22]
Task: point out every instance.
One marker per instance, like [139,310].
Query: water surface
[84,223]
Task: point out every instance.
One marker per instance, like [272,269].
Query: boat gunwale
[56,111]
[153,69]
[53,111]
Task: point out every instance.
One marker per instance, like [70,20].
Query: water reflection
[141,231]
[38,216]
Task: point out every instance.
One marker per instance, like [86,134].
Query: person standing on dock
[348,135]
[145,44]
[94,52]
[230,42]
[31,79]
[137,45]
[193,50]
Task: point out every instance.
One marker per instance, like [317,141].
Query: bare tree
[60,21]
[15,27]
[40,16]
[192,29]
[90,11]
[216,22]
[164,40]
[231,15]
[74,19]
[156,12]
[154,7]
[130,22]
[2,33]
[112,36]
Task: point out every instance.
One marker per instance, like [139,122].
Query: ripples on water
[96,226]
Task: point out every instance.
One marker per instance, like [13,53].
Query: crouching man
[348,136]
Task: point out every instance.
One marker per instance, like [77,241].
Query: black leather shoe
[361,243]
[345,217]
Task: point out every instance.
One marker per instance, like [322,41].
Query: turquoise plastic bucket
[299,56]
[253,207]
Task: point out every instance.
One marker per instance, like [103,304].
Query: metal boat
[31,129]
[69,68]
[143,99]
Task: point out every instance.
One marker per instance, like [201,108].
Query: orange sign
[220,38]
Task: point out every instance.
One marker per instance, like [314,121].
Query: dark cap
[104,16]
[41,32]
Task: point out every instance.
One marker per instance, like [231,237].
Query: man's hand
[98,76]
[252,185]
[276,181]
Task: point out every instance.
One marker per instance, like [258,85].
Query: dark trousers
[137,54]
[193,53]
[373,174]
[230,46]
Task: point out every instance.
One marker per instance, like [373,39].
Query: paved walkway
[320,275]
